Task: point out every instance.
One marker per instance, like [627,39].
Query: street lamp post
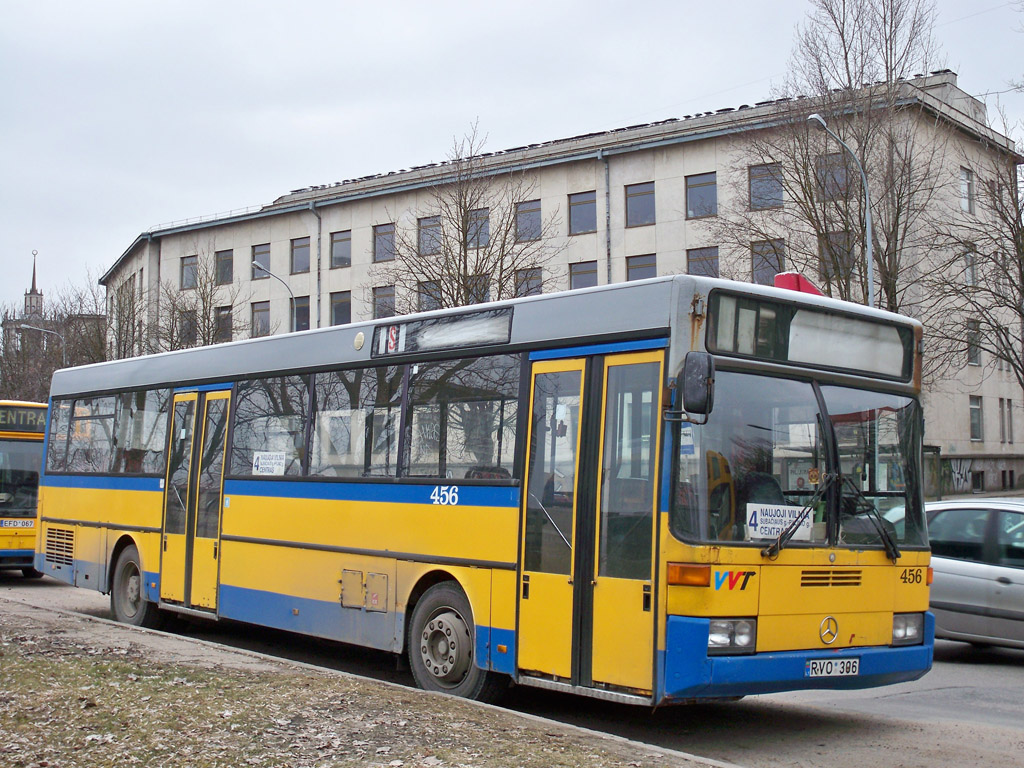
[63,346]
[819,122]
[261,268]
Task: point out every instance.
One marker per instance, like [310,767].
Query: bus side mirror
[697,383]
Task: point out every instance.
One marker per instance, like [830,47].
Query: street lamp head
[257,265]
[817,121]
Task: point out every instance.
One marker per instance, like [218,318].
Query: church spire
[34,297]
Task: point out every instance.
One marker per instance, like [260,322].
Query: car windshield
[769,450]
[20,462]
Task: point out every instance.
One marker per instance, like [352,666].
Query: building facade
[618,205]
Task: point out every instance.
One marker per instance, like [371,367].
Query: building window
[528,221]
[478,235]
[300,255]
[188,328]
[765,186]
[1002,420]
[977,423]
[428,295]
[223,321]
[767,259]
[640,204]
[967,190]
[832,176]
[835,256]
[261,256]
[701,195]
[1009,421]
[641,267]
[383,301]
[300,313]
[384,243]
[260,318]
[189,265]
[582,275]
[341,308]
[478,289]
[225,261]
[582,213]
[702,261]
[973,342]
[529,282]
[429,236]
[970,268]
[341,249]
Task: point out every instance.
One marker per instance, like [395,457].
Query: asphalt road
[967,710]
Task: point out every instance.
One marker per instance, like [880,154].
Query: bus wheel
[31,573]
[440,647]
[128,602]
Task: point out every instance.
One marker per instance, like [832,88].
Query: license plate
[832,668]
[17,523]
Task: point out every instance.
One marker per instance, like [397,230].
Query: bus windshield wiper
[863,505]
[787,533]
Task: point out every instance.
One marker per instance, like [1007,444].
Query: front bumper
[689,673]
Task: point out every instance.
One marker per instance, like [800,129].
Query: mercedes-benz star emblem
[829,630]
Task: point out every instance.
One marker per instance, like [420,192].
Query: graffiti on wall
[960,475]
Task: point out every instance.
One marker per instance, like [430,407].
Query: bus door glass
[192,500]
[546,582]
[623,624]
[176,496]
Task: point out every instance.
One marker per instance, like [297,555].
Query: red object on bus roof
[794,281]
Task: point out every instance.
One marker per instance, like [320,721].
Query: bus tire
[441,648]
[128,601]
[31,573]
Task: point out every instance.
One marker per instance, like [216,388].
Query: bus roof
[634,310]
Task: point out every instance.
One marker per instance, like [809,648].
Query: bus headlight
[907,628]
[732,636]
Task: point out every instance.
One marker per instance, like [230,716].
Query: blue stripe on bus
[17,552]
[102,482]
[690,673]
[222,387]
[468,495]
[599,349]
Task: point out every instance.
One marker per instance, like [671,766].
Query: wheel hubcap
[445,647]
[132,591]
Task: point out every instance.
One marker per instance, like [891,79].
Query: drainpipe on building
[607,217]
[319,273]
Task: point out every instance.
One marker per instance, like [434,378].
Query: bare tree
[979,287]
[480,237]
[207,308]
[68,329]
[850,63]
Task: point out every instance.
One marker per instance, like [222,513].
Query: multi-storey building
[617,205]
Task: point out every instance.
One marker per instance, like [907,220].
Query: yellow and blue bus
[22,429]
[652,492]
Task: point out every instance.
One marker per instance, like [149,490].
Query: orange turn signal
[931,576]
[689,575]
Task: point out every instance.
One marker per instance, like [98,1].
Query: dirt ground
[78,691]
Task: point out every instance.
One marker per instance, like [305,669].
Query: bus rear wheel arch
[128,600]
[441,646]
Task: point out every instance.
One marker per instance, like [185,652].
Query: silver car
[978,557]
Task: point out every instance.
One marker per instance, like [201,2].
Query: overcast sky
[116,117]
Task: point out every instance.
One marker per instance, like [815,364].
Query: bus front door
[589,509]
[193,500]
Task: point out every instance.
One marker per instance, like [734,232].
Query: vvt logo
[732,578]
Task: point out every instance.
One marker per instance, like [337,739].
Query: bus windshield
[774,446]
[20,462]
